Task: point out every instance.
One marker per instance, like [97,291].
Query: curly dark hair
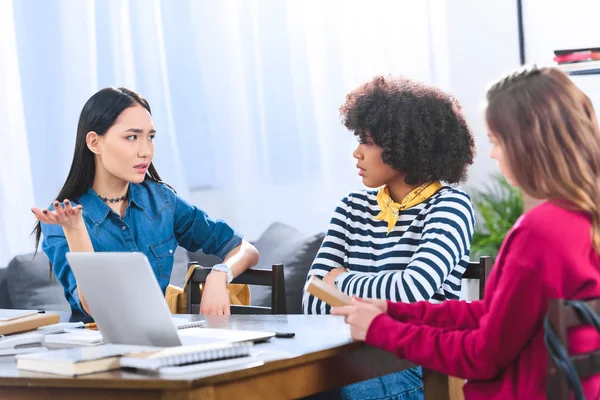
[420,128]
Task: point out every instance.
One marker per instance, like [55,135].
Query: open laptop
[128,305]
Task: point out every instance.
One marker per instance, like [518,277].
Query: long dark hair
[98,114]
[550,135]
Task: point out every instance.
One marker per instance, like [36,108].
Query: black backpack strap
[585,313]
[559,354]
[558,351]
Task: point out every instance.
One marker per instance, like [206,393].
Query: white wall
[590,84]
[483,43]
[553,25]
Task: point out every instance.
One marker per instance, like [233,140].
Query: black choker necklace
[113,200]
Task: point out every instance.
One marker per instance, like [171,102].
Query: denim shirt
[156,221]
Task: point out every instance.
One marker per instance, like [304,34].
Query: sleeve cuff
[397,310]
[234,242]
[75,295]
[341,281]
[381,332]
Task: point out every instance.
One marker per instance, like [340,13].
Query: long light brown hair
[550,136]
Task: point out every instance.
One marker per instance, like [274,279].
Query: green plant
[497,207]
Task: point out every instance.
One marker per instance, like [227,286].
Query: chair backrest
[479,270]
[262,277]
[450,387]
[563,317]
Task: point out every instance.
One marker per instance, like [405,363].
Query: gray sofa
[27,284]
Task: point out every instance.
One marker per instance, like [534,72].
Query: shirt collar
[98,210]
[135,196]
[93,206]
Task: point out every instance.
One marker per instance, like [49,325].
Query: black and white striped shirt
[422,258]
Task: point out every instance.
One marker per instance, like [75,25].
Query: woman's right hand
[65,215]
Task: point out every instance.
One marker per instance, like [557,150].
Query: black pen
[285,335]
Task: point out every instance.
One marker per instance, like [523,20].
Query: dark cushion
[282,244]
[4,299]
[180,265]
[279,244]
[31,286]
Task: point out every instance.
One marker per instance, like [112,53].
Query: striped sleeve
[332,254]
[437,265]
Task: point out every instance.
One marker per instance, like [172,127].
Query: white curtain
[16,190]
[244,93]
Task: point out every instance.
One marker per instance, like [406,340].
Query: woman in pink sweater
[546,140]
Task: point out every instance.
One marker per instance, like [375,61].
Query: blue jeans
[403,385]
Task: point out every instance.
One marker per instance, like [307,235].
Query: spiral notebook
[185,355]
[27,339]
[183,323]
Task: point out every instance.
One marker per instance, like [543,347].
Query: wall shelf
[595,71]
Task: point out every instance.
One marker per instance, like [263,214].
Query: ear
[92,140]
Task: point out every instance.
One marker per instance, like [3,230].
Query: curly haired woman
[546,139]
[409,239]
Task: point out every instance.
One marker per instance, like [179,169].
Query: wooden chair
[479,270]
[261,277]
[440,386]
[561,318]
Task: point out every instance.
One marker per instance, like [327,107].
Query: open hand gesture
[63,214]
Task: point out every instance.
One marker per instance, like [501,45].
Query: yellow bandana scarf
[390,210]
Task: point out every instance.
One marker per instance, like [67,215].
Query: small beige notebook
[328,293]
[26,322]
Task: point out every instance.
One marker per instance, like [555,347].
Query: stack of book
[22,331]
[584,61]
[169,361]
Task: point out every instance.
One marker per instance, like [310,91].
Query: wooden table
[322,357]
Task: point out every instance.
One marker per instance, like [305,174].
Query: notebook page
[77,337]
[256,358]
